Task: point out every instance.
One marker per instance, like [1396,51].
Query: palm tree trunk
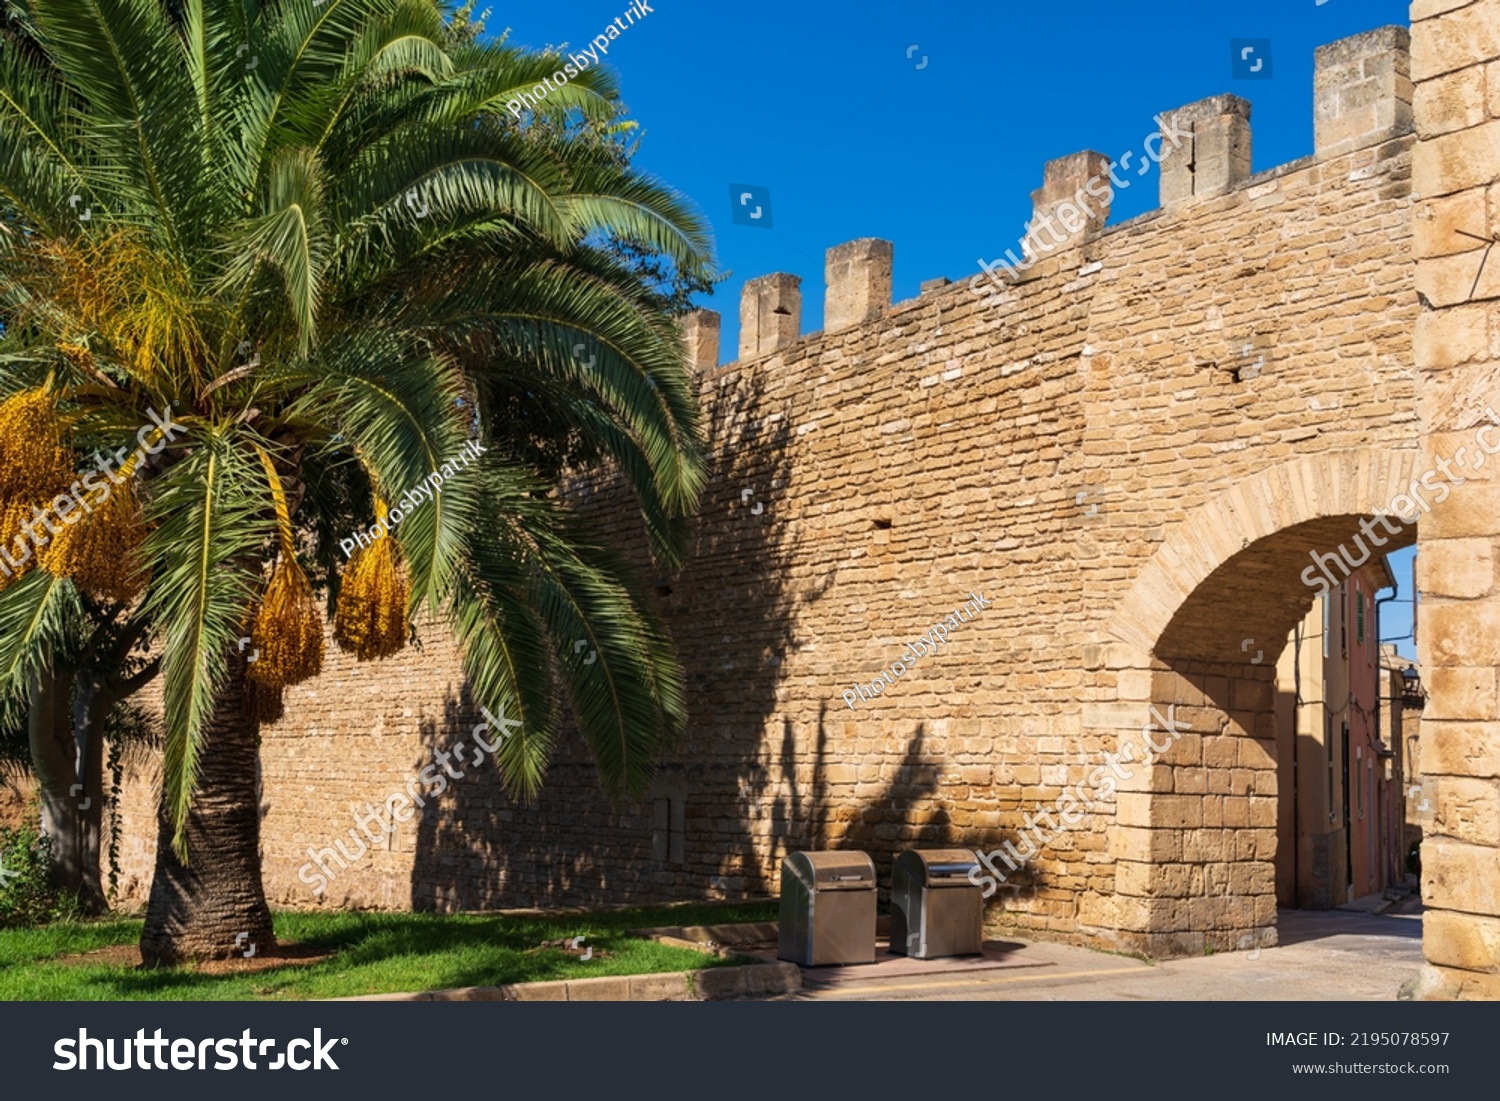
[72,814]
[199,910]
[70,817]
[91,708]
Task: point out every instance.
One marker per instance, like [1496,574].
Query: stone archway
[1194,837]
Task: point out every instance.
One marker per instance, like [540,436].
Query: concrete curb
[756,980]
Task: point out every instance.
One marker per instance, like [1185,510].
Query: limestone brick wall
[1040,443]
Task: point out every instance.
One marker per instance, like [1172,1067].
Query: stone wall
[1129,454]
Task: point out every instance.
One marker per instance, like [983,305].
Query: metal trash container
[827,908]
[936,910]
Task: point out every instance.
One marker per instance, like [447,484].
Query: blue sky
[939,151]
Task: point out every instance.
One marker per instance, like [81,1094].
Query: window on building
[667,832]
[1359,617]
[1344,620]
[1327,614]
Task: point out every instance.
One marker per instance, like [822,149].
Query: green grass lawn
[375,954]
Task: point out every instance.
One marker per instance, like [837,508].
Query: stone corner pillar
[700,338]
[1455,161]
[1072,204]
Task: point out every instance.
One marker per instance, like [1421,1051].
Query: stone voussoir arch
[1326,485]
[1194,857]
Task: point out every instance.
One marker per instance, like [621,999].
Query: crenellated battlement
[1362,98]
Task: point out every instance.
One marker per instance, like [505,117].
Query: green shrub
[27,896]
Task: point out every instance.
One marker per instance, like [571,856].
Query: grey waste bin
[827,908]
[936,910]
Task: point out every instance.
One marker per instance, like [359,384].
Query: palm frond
[544,596]
[41,619]
[211,527]
[290,236]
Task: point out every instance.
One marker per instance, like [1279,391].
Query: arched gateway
[1194,838]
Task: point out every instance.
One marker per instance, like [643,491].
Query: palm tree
[306,235]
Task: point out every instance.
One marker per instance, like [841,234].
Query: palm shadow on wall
[690,837]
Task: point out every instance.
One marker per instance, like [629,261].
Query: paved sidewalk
[1323,955]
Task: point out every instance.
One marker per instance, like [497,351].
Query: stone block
[1457,876]
[1466,633]
[1252,879]
[1461,940]
[1250,695]
[1450,748]
[1158,880]
[671,987]
[1464,514]
[608,989]
[1462,568]
[1427,9]
[1437,223]
[1452,337]
[1145,844]
[1207,845]
[1456,692]
[1461,38]
[1458,458]
[1163,915]
[1144,778]
[1453,985]
[1457,161]
[1220,752]
[753,980]
[1466,810]
[1451,280]
[1452,102]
